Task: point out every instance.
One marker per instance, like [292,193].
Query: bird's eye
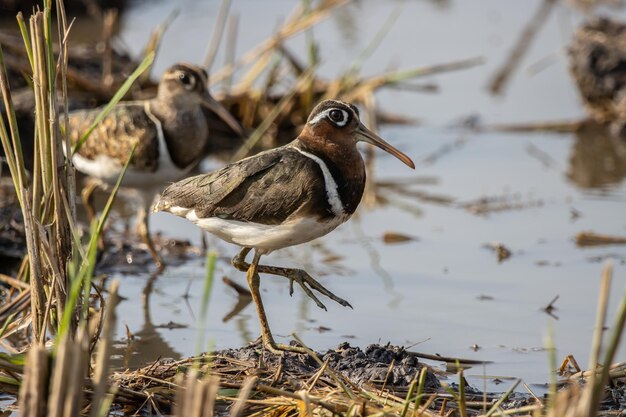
[336,115]
[186,80]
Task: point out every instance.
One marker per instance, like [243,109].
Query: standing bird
[283,197]
[170,131]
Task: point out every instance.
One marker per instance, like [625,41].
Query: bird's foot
[271,346]
[279,348]
[308,284]
[306,281]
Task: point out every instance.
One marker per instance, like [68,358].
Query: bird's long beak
[217,108]
[366,135]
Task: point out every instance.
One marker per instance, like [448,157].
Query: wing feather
[267,188]
[115,135]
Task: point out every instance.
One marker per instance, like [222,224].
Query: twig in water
[549,309]
[596,239]
[501,77]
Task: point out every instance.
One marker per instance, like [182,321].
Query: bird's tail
[161,205]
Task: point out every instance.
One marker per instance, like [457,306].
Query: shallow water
[444,292]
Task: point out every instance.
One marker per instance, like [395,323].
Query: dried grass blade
[611,349]
[375,42]
[501,77]
[32,401]
[216,36]
[229,55]
[503,398]
[276,111]
[332,374]
[244,394]
[291,28]
[12,144]
[103,355]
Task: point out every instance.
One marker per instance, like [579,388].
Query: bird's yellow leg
[143,230]
[252,276]
[87,195]
[239,261]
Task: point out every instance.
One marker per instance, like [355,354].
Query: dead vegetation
[51,298]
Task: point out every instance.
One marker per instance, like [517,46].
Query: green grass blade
[617,331]
[12,147]
[145,64]
[462,404]
[206,296]
[85,272]
[9,381]
[26,37]
[409,395]
[6,324]
[503,398]
[16,359]
[420,389]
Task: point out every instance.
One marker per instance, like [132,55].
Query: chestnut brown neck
[343,160]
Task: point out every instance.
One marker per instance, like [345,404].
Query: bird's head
[339,122]
[189,83]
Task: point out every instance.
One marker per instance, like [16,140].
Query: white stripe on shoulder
[329,183]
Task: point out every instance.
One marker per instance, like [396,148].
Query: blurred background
[474,254]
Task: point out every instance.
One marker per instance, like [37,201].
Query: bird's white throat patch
[332,193]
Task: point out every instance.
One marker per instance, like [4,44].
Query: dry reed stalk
[109,21]
[229,54]
[300,21]
[566,126]
[154,42]
[13,282]
[50,208]
[282,106]
[597,239]
[195,396]
[100,376]
[68,385]
[501,77]
[43,200]
[57,393]
[352,91]
[32,397]
[216,36]
[244,394]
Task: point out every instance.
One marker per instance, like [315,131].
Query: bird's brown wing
[267,189]
[116,134]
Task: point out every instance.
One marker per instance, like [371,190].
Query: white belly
[264,238]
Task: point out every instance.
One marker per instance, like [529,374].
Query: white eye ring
[326,114]
[187,80]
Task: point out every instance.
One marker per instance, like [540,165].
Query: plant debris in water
[380,380]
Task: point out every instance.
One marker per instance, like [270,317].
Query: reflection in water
[442,5]
[244,298]
[242,302]
[598,159]
[242,327]
[374,256]
[147,345]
